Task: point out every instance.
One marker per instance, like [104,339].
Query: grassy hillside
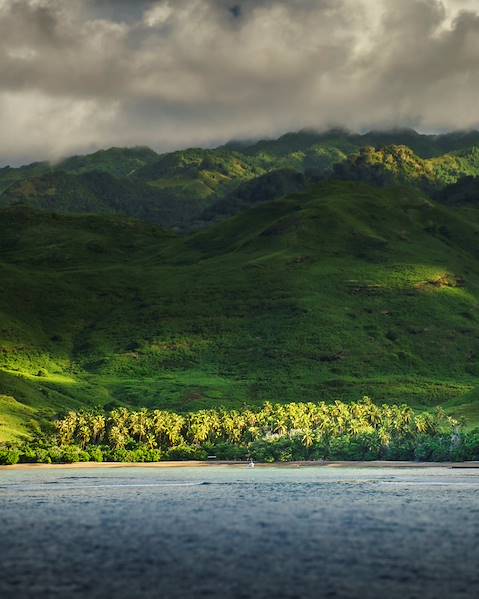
[344,291]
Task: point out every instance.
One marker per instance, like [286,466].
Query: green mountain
[190,188]
[335,293]
[10,175]
[96,192]
[59,191]
[174,190]
[119,162]
[395,164]
[425,146]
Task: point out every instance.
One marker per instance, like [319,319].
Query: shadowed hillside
[96,192]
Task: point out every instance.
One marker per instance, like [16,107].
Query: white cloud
[158,14]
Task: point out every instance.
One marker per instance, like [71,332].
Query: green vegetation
[305,288]
[400,165]
[95,192]
[341,140]
[274,185]
[464,193]
[190,189]
[118,162]
[296,431]
[329,295]
[174,190]
[9,175]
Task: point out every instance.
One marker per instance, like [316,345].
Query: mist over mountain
[79,76]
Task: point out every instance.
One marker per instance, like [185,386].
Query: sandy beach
[220,463]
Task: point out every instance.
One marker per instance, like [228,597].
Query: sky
[78,75]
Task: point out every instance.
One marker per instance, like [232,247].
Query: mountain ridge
[191,188]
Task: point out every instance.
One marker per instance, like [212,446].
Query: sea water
[222,532]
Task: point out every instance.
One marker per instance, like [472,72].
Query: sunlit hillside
[339,292]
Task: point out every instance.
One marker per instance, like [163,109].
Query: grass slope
[344,291]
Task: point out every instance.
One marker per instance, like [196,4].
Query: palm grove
[276,432]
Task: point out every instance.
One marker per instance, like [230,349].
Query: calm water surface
[237,532]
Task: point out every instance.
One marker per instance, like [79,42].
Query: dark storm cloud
[79,74]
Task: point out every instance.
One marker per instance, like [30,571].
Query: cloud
[81,74]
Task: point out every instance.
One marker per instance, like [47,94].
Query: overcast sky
[77,75]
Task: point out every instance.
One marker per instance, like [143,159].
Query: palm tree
[117,437]
[175,426]
[97,424]
[308,437]
[140,424]
[66,428]
[199,426]
[84,432]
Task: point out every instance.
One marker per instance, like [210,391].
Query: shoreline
[243,464]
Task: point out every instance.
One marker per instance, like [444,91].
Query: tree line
[309,422]
[275,432]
